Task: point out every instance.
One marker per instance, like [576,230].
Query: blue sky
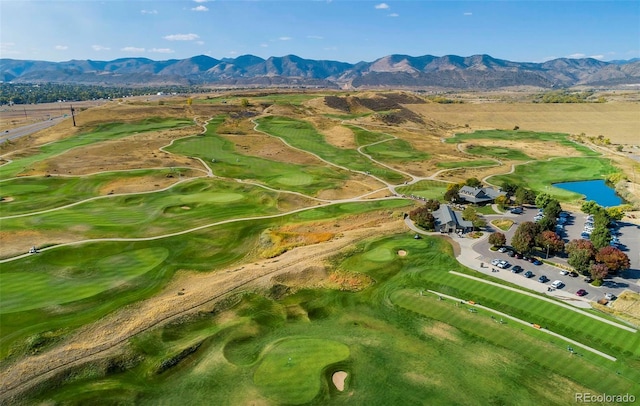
[340,30]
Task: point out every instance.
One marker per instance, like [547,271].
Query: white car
[558,284]
[563,272]
[503,264]
[609,296]
[495,261]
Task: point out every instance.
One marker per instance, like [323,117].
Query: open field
[244,248]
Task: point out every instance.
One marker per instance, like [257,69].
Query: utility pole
[73,117]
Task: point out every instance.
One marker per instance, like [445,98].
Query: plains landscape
[252,247]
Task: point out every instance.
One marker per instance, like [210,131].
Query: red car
[581,292]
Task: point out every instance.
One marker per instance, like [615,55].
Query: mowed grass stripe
[554,317]
[589,369]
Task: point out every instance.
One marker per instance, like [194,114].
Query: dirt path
[104,337]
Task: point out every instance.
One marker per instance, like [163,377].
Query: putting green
[20,291]
[380,254]
[298,179]
[291,372]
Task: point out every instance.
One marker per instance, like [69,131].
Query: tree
[509,188]
[451,195]
[525,196]
[501,201]
[581,255]
[547,223]
[614,259]
[552,209]
[600,237]
[542,200]
[470,214]
[551,241]
[590,207]
[497,239]
[423,218]
[432,204]
[598,271]
[473,182]
[524,238]
[615,213]
[244,102]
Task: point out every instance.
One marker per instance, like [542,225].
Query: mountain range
[396,71]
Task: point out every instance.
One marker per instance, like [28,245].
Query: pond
[596,190]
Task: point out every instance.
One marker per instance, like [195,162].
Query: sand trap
[402,253]
[186,208]
[338,379]
[6,199]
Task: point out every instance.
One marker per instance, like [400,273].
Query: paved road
[630,235]
[28,129]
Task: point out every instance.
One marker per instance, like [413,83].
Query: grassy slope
[403,348]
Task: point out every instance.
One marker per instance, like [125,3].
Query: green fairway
[221,155]
[395,151]
[540,176]
[515,135]
[291,372]
[31,194]
[26,290]
[303,135]
[429,189]
[398,347]
[497,152]
[466,164]
[366,137]
[103,132]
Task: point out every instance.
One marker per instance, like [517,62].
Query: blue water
[596,190]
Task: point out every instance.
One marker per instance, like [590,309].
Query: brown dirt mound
[402,253]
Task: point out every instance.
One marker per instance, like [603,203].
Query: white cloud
[285,38]
[233,52]
[382,6]
[181,37]
[597,56]
[7,48]
[394,15]
[200,8]
[576,55]
[330,48]
[468,14]
[149,11]
[61,47]
[132,49]
[314,37]
[162,50]
[200,42]
[264,45]
[100,48]
[200,1]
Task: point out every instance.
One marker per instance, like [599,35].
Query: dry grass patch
[137,151]
[503,224]
[617,121]
[14,243]
[271,148]
[146,183]
[442,331]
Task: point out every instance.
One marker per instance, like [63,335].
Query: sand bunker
[338,379]
[402,253]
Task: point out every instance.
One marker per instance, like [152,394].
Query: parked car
[503,265]
[609,296]
[516,269]
[543,279]
[528,274]
[573,274]
[517,210]
[502,249]
[495,261]
[588,279]
[511,254]
[563,272]
[558,284]
[581,292]
[536,262]
[518,255]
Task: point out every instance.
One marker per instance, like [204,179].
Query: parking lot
[629,237]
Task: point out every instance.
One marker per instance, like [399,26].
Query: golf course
[251,248]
